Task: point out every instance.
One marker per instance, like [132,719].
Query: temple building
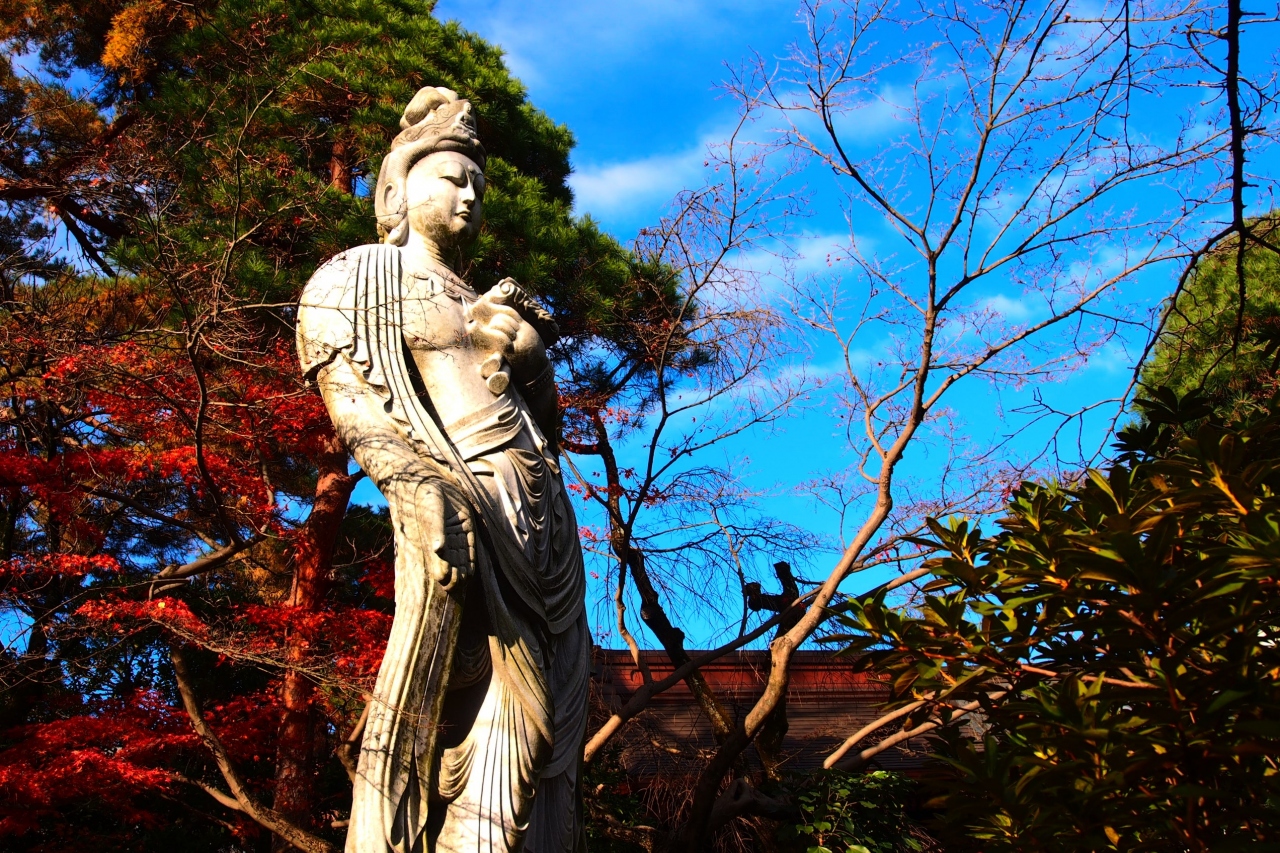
[826,702]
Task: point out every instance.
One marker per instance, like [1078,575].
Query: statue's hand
[451,537]
[497,327]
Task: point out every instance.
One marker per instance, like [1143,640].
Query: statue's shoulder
[329,307]
[337,279]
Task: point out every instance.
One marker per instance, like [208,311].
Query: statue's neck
[429,266]
[421,255]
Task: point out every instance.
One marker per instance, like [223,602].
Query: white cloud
[1113,359]
[818,253]
[542,37]
[874,119]
[1011,309]
[614,189]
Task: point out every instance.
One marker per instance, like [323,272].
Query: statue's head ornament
[435,120]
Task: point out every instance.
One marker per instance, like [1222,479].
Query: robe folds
[476,723]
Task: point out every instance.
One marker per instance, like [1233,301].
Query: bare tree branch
[298,837]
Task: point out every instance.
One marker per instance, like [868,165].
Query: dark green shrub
[853,813]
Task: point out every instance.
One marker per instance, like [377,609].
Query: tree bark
[672,639]
[769,741]
[238,798]
[340,167]
[298,751]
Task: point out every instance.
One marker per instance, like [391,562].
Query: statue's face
[445,190]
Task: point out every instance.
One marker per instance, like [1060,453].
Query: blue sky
[638,84]
[640,87]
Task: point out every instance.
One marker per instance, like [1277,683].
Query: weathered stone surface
[447,401]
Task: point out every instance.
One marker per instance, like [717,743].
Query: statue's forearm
[363,425]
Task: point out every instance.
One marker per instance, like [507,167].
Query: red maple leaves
[126,458]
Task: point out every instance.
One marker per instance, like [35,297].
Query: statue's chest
[434,317]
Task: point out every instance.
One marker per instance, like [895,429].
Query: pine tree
[1222,335]
[204,159]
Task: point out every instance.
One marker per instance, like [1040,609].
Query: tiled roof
[826,702]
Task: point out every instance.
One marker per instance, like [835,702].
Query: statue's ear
[391,197]
[393,218]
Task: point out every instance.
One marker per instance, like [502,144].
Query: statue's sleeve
[346,309]
[352,308]
[327,314]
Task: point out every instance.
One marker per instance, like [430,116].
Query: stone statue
[447,401]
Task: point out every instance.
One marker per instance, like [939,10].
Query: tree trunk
[769,742]
[340,167]
[298,755]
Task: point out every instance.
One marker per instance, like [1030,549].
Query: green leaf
[1266,728]
[1227,697]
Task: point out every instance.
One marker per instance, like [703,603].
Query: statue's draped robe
[478,715]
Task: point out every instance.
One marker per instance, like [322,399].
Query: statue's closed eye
[459,175]
[454,172]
